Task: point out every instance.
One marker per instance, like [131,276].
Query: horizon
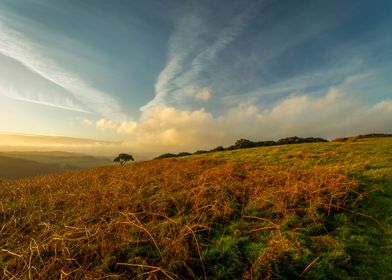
[148,77]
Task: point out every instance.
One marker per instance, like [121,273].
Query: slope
[312,211]
[13,168]
[20,164]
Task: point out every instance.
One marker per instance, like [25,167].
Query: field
[309,211]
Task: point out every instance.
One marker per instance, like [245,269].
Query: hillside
[21,164]
[311,211]
[13,168]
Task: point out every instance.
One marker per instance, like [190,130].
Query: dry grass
[160,219]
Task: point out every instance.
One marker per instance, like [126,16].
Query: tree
[218,149]
[183,154]
[123,158]
[167,155]
[243,144]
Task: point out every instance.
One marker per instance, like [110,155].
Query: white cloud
[190,52]
[104,124]
[358,77]
[38,98]
[203,95]
[385,106]
[15,45]
[87,122]
[126,127]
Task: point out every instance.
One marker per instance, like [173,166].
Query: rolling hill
[309,211]
[13,168]
[19,164]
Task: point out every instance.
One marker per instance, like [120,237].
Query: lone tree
[123,158]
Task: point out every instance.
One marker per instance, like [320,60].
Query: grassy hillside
[312,211]
[30,163]
[13,168]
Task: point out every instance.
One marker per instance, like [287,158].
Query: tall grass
[172,219]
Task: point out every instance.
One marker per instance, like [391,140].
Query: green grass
[364,230]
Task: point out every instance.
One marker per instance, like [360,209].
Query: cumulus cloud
[203,95]
[385,106]
[104,124]
[336,113]
[126,127]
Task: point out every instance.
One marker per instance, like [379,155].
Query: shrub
[218,149]
[243,144]
[265,143]
[167,155]
[200,152]
[183,154]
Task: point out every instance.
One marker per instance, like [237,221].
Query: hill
[312,211]
[20,164]
[13,168]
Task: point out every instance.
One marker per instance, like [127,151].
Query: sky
[150,76]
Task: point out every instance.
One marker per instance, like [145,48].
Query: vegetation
[166,155]
[123,158]
[245,144]
[355,138]
[313,211]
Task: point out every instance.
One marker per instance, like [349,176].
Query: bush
[200,152]
[167,155]
[265,143]
[218,149]
[243,144]
[183,154]
[298,140]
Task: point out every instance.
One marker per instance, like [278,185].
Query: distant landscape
[15,165]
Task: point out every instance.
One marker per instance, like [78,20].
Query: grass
[311,211]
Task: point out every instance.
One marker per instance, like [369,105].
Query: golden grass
[155,220]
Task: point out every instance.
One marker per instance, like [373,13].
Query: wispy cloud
[41,99]
[193,45]
[15,45]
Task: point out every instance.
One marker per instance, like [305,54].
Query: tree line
[245,144]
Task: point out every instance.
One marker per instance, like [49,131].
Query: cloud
[203,95]
[87,122]
[126,127]
[40,98]
[336,113]
[15,45]
[104,124]
[384,106]
[194,44]
[40,141]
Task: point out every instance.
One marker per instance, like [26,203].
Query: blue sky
[169,75]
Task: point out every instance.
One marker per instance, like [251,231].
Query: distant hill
[30,163]
[13,168]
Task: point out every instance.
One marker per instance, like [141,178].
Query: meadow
[303,211]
